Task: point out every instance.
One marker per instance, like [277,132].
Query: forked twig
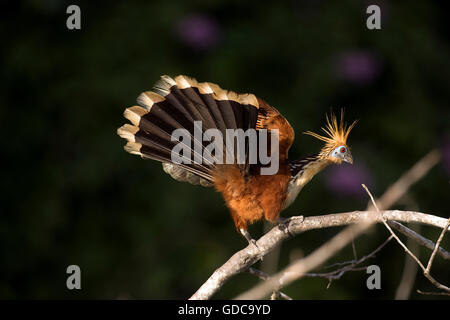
[433,254]
[350,265]
[419,238]
[426,270]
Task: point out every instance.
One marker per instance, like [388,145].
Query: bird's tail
[178,104]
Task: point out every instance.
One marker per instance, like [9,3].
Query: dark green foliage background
[71,195]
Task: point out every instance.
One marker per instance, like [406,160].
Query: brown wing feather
[270,118]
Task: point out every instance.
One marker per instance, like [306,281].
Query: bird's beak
[348,157]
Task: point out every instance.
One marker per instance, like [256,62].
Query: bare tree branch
[245,258]
[349,265]
[393,194]
[298,268]
[332,275]
[433,254]
[419,238]
[434,293]
[264,276]
[410,269]
[426,271]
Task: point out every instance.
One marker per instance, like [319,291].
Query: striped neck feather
[302,171]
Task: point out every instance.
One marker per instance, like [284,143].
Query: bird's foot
[253,243]
[283,223]
[249,238]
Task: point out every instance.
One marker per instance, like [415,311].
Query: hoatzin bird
[179,102]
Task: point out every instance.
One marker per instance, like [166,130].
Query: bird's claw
[250,240]
[248,237]
[283,223]
[253,243]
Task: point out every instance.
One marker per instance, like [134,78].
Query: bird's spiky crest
[337,134]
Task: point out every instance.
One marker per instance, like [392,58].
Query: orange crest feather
[337,134]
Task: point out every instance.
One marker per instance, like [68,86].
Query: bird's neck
[303,170]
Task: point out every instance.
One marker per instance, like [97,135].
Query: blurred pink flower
[360,67]
[445,149]
[198,31]
[346,179]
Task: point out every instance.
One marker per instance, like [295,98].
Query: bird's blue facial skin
[342,153]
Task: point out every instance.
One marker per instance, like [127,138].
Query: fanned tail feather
[177,104]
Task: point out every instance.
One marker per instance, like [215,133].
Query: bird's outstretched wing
[178,103]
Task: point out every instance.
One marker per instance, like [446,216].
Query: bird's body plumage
[250,196]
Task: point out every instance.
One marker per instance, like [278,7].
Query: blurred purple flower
[346,179]
[198,31]
[359,67]
[446,155]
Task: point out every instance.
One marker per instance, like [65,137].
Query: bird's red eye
[342,150]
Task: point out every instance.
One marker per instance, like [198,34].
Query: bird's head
[335,149]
